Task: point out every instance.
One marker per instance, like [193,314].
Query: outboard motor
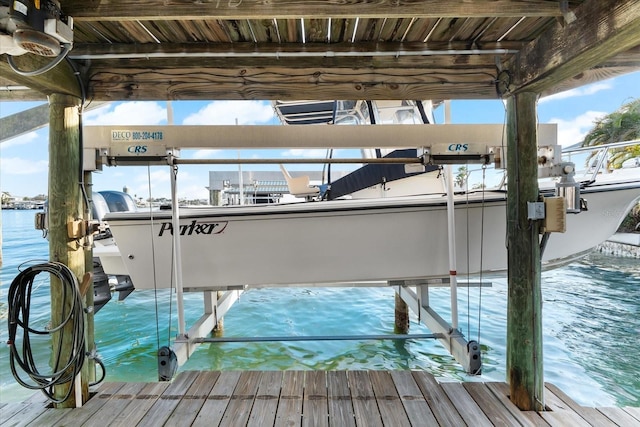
[103,203]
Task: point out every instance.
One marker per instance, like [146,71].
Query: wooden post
[64,207]
[524,308]
[218,330]
[401,316]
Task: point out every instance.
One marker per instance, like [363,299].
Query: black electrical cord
[62,371]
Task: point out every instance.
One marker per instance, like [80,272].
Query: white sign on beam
[305,136]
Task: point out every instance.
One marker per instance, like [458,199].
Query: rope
[64,371]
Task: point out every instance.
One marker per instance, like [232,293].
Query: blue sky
[24,160]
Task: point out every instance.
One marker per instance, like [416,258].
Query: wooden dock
[310,398]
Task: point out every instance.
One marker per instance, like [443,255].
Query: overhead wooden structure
[297,49]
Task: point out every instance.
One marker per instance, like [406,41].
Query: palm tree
[621,125]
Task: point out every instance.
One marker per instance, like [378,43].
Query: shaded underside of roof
[291,50]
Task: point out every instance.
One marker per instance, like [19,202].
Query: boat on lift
[352,240]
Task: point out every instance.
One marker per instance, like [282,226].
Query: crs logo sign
[458,147]
[137,149]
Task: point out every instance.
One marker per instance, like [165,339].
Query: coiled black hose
[60,371]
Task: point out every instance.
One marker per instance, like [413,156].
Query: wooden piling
[218,330]
[401,316]
[65,207]
[524,307]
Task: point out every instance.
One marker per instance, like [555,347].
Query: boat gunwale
[324,207]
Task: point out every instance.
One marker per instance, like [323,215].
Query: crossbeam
[289,137]
[320,338]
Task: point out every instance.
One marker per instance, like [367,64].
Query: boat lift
[158,145]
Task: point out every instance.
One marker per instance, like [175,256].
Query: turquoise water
[591,319]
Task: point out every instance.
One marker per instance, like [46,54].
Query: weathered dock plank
[311,398]
[34,405]
[619,417]
[121,399]
[438,401]
[412,399]
[49,418]
[79,416]
[495,408]
[9,410]
[290,408]
[365,406]
[391,408]
[468,409]
[265,406]
[559,413]
[129,412]
[564,409]
[237,413]
[634,412]
[339,400]
[168,400]
[216,403]
[315,409]
[529,418]
[187,409]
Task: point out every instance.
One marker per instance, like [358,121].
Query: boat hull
[344,240]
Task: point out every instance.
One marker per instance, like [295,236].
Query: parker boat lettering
[195,227]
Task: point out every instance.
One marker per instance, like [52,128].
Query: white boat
[351,240]
[354,240]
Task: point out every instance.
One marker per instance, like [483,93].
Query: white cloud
[227,112]
[18,166]
[205,153]
[319,153]
[127,113]
[573,131]
[580,91]
[20,140]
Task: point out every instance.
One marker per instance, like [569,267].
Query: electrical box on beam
[458,153]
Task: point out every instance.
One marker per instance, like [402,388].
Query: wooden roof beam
[61,79]
[281,50]
[118,10]
[603,29]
